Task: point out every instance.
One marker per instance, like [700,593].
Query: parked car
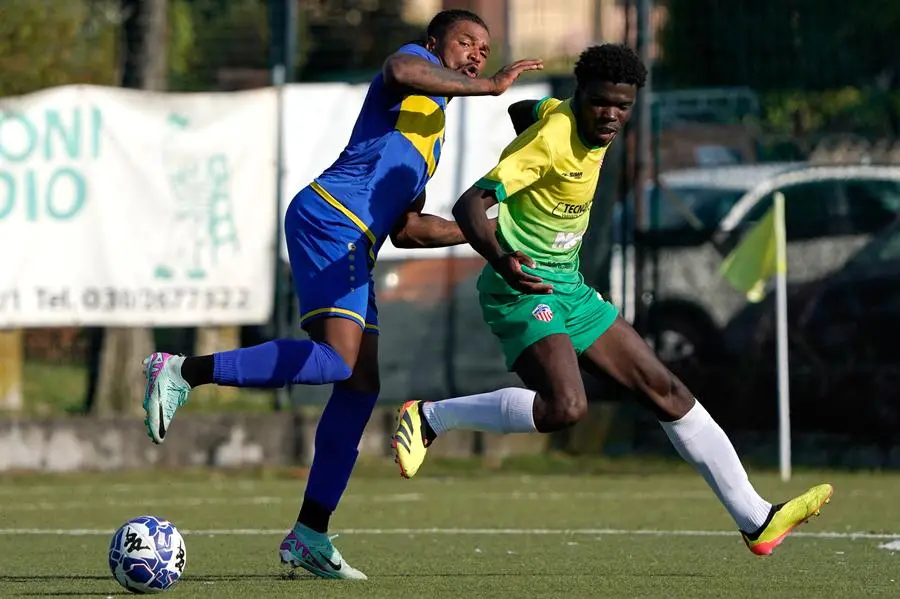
[843,347]
[830,212]
[694,199]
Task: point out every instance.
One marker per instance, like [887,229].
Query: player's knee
[364,379]
[335,367]
[329,367]
[342,371]
[567,408]
[573,414]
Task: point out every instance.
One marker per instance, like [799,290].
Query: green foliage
[181,42]
[45,43]
[820,66]
[208,37]
[237,36]
[779,44]
[867,112]
[356,37]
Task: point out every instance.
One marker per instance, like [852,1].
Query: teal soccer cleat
[166,392]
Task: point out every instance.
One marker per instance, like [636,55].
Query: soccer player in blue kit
[334,228]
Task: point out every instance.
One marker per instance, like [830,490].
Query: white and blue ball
[147,555]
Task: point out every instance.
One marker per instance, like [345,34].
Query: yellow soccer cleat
[785,517]
[410,442]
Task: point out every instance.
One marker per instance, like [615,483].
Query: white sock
[702,443]
[507,410]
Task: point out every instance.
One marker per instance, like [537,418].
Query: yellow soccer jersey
[545,182]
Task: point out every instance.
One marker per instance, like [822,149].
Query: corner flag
[759,256]
[755,260]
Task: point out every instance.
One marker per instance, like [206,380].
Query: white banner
[123,207]
[318,120]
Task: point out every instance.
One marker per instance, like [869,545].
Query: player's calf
[662,392]
[623,354]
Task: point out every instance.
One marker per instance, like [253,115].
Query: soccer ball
[147,555]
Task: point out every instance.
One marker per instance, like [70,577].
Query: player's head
[460,39]
[607,78]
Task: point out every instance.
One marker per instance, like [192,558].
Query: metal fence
[745,98]
[750,99]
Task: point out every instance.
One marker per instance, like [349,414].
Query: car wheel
[681,337]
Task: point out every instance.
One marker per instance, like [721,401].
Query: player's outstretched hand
[506,76]
[510,268]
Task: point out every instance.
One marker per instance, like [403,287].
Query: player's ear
[578,97]
[431,43]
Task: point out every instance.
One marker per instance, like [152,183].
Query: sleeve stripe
[536,111]
[491,185]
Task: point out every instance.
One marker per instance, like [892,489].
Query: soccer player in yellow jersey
[551,324]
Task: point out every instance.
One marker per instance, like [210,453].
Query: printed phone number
[110,299]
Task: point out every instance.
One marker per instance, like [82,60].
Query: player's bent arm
[426,231]
[415,230]
[480,231]
[408,73]
[521,114]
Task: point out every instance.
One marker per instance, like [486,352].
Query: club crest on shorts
[543,313]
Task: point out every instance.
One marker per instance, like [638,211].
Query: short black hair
[445,19]
[615,63]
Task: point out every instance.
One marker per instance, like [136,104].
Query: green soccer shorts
[520,320]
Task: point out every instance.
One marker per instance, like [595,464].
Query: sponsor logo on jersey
[566,241]
[543,313]
[564,210]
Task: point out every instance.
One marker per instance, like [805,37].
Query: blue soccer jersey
[392,153]
[335,226]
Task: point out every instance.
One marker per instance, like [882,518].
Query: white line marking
[231,500]
[140,502]
[79,532]
[190,502]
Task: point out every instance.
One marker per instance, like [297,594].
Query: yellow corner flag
[756,258]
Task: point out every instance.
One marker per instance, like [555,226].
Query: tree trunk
[120,384]
[11,370]
[211,340]
[120,388]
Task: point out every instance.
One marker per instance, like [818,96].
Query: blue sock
[278,363]
[337,439]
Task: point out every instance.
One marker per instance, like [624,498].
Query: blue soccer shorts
[331,262]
